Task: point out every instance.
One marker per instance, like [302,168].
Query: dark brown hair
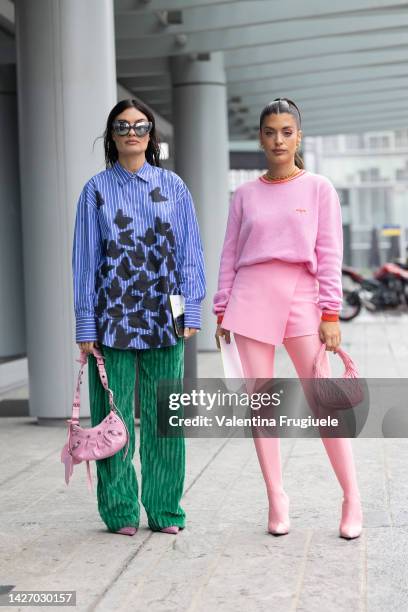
[284,105]
[111,153]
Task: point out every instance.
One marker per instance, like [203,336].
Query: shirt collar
[124,175]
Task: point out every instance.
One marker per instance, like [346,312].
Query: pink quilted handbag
[336,393]
[104,440]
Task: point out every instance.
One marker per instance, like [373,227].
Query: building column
[66,87]
[202,161]
[12,324]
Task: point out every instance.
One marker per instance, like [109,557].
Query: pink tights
[257,360]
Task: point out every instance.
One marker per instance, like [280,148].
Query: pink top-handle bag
[336,393]
[104,440]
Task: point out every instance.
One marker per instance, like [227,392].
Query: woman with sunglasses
[280,282]
[136,243]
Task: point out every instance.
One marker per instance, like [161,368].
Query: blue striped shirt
[136,242]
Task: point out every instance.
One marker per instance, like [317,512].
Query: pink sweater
[298,220]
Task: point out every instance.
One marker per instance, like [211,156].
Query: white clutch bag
[230,359]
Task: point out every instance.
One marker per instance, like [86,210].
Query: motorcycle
[387,290]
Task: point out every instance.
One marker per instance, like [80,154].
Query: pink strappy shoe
[173,529]
[130,531]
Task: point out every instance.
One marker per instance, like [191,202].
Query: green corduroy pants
[162,458]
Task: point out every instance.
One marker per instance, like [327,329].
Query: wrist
[219,319]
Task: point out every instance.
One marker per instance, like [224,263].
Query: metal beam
[156,66]
[349,114]
[384,101]
[325,63]
[151,97]
[361,100]
[327,91]
[158,98]
[345,77]
[380,108]
[244,14]
[142,6]
[294,30]
[350,42]
[148,83]
[369,123]
[160,66]
[374,126]
[374,116]
[394,123]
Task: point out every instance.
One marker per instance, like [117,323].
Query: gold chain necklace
[278,178]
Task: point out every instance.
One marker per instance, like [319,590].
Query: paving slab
[51,536]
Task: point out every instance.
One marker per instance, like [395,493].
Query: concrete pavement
[51,536]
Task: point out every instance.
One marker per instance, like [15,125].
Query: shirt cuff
[192,315]
[86,329]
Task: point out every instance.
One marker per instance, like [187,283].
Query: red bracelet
[219,319]
[330,316]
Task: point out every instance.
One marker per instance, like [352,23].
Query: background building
[206,68]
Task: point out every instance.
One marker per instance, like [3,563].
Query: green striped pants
[162,458]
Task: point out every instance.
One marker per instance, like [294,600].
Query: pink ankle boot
[351,518]
[278,518]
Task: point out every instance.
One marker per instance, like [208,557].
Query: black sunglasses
[122,127]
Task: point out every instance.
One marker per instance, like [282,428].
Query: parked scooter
[387,290]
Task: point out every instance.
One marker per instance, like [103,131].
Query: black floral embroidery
[137,256]
[162,318]
[153,262]
[122,339]
[157,196]
[125,239]
[124,269]
[150,267]
[143,283]
[129,299]
[102,303]
[113,250]
[136,319]
[161,227]
[153,340]
[115,290]
[116,311]
[105,269]
[151,303]
[121,220]
[163,284]
[99,199]
[149,238]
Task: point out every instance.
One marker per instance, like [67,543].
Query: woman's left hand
[189,331]
[330,334]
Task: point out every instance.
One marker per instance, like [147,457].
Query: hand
[189,332]
[221,332]
[330,334]
[87,347]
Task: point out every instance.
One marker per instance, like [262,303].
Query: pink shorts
[273,300]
